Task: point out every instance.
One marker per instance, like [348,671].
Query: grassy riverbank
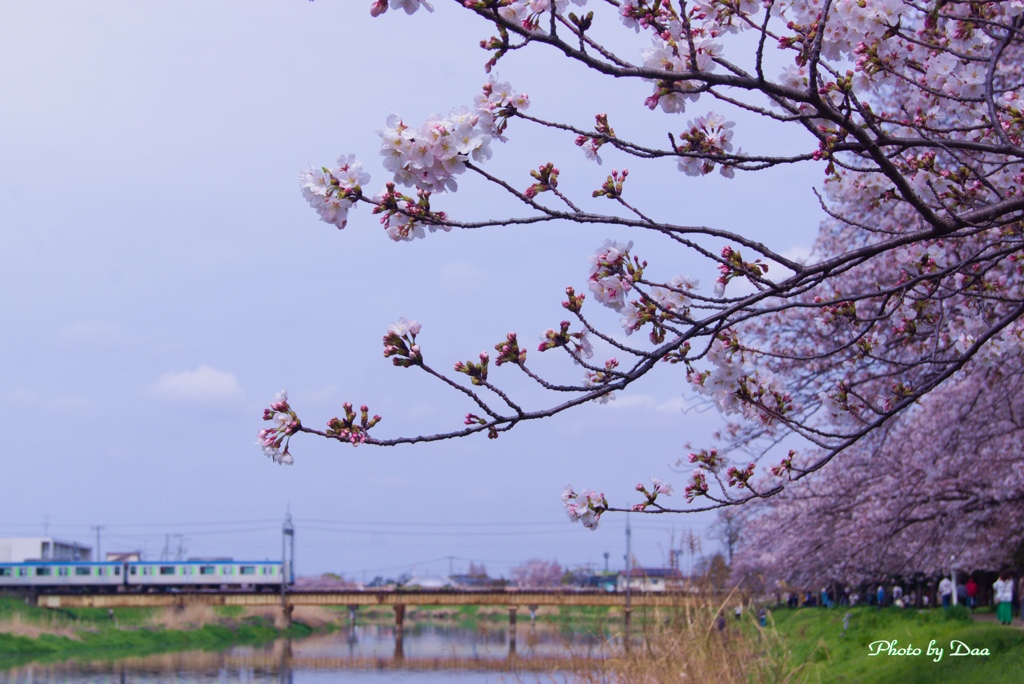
[815,638]
[28,633]
[811,646]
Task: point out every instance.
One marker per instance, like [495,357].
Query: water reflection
[420,654]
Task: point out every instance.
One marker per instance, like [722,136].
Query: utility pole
[287,555]
[952,576]
[629,579]
[165,555]
[98,558]
[180,555]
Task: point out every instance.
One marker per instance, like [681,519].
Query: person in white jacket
[1003,590]
[946,592]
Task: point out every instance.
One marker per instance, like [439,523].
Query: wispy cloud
[317,396]
[90,332]
[204,385]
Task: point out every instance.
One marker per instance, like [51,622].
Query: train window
[207,570]
[226,570]
[43,572]
[117,570]
[63,572]
[83,572]
[5,572]
[147,571]
[248,570]
[167,570]
[133,570]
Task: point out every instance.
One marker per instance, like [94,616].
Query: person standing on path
[946,592]
[972,593]
[1003,590]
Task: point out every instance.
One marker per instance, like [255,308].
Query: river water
[426,654]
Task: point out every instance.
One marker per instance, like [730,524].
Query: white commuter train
[194,575]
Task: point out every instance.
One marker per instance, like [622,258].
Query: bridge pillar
[287,610]
[399,618]
[284,664]
[512,630]
[399,632]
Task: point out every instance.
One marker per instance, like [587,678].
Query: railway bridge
[514,600]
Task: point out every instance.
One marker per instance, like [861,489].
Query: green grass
[98,637]
[74,617]
[814,638]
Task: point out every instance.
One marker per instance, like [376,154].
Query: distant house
[428,582]
[21,549]
[607,581]
[584,578]
[650,579]
[477,582]
[124,556]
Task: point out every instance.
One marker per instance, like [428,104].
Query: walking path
[991,617]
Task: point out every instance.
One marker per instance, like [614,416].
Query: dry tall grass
[312,616]
[685,644]
[189,617]
[20,625]
[197,616]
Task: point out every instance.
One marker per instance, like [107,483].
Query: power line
[203,523]
[399,533]
[489,561]
[310,521]
[607,522]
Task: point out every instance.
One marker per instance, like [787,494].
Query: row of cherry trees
[902,329]
[939,488]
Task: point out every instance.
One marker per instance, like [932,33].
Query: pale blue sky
[163,278]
